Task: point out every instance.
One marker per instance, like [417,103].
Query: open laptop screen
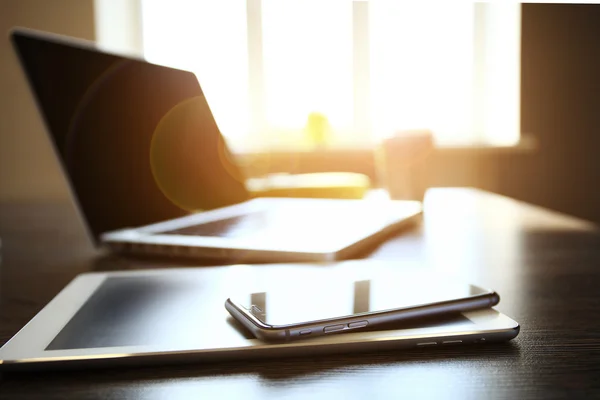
[138,141]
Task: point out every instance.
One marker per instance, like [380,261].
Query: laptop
[151,174]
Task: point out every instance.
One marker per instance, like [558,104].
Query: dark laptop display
[138,141]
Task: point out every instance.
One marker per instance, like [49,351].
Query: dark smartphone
[291,313]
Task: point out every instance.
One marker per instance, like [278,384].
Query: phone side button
[305,332]
[359,324]
[427,344]
[332,328]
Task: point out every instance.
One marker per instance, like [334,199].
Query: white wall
[28,168]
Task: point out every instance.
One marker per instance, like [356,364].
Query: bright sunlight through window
[370,68]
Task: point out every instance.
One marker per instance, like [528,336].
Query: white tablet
[177,315]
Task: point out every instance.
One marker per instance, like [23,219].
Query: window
[370,67]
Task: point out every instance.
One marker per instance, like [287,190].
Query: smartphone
[296,312]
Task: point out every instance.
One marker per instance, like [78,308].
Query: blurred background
[510,92]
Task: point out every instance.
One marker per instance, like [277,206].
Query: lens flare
[188,156]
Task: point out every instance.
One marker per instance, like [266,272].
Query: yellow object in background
[335,185]
[317,129]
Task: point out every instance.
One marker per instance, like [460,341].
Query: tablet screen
[156,310]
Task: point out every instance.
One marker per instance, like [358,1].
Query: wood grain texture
[546,267]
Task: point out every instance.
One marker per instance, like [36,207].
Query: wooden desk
[546,267]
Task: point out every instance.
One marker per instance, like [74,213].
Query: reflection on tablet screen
[167,311]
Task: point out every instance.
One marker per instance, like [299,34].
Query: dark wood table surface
[546,267]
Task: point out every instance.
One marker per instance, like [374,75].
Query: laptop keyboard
[311,221]
[233,227]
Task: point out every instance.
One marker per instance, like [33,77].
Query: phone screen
[321,301]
